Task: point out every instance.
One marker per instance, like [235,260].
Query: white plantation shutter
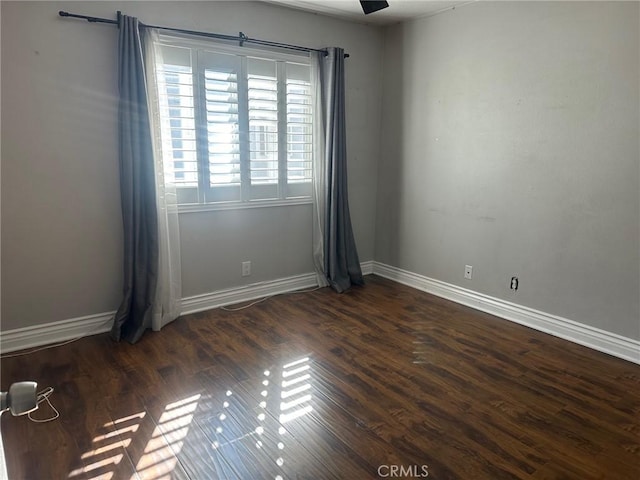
[178,127]
[299,116]
[238,125]
[262,84]
[221,146]
[221,101]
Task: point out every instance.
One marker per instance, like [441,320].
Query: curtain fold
[335,252]
[168,300]
[137,189]
[319,171]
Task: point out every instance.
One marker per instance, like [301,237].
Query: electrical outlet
[246,269]
[468,272]
[514,283]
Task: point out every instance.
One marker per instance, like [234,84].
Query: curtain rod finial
[63,13]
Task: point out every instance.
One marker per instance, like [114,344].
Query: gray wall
[61,224]
[511,143]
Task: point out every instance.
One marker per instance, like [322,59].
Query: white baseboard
[367,267]
[55,332]
[230,296]
[601,340]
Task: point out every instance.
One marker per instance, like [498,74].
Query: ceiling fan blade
[370,6]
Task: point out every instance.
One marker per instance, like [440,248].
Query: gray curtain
[341,262]
[137,188]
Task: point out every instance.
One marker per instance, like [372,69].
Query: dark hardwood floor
[381,382]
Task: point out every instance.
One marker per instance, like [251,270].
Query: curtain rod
[241,38]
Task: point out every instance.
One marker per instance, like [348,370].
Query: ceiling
[398,10]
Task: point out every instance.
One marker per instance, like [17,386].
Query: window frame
[213,198]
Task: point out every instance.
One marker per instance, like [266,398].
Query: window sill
[208,207]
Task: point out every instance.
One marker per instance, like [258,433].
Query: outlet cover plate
[246,269]
[468,272]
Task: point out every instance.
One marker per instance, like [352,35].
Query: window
[236,124]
